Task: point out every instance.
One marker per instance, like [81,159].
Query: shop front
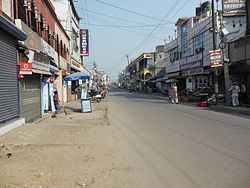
[34,87]
[9,91]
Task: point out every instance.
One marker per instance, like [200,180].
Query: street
[182,146]
[129,140]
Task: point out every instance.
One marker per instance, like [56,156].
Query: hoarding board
[215,58]
[234,7]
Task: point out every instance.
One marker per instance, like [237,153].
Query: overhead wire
[148,37]
[130,11]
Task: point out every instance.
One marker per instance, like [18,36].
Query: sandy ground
[73,151]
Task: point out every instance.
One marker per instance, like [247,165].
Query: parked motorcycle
[211,100]
[103,94]
[95,96]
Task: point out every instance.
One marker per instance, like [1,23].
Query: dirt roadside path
[73,151]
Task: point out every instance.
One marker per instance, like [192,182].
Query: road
[181,145]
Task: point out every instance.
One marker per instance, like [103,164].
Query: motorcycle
[95,96]
[211,100]
[103,94]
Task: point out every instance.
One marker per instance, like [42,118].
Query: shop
[9,91]
[35,88]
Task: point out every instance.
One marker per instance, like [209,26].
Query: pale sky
[115,32]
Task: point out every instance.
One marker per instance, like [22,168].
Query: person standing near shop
[235,89]
[56,101]
[174,93]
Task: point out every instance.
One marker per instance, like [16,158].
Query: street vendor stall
[85,101]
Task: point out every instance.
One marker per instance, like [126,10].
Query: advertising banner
[234,7]
[84,42]
[215,58]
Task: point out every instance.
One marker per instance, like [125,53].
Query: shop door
[9,96]
[30,97]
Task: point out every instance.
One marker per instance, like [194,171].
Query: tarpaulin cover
[77,76]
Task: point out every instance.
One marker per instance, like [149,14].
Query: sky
[133,27]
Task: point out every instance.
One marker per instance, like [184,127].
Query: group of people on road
[234,89]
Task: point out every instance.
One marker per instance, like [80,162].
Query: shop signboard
[193,72]
[215,58]
[75,65]
[172,75]
[86,105]
[84,42]
[192,65]
[25,68]
[47,49]
[234,7]
[40,66]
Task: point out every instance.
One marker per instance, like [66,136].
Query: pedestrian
[170,93]
[235,89]
[56,101]
[174,93]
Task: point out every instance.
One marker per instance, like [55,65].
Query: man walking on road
[235,89]
[174,93]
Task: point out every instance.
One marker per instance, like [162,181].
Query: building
[47,48]
[70,21]
[188,57]
[239,50]
[141,70]
[9,86]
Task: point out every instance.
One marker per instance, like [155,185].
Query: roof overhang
[12,29]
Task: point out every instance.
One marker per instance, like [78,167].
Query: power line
[142,43]
[124,25]
[130,11]
[109,16]
[92,44]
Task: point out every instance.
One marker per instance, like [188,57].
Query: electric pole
[216,87]
[127,55]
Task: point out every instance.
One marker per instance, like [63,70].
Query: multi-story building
[9,88]
[70,21]
[188,55]
[141,70]
[47,48]
[237,36]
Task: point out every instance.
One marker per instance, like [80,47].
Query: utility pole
[223,45]
[216,87]
[127,55]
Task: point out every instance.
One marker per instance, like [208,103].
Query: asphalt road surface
[181,145]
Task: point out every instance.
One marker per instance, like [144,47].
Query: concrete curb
[12,125]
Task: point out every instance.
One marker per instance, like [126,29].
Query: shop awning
[160,80]
[41,72]
[172,80]
[77,76]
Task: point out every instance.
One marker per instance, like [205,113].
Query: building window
[198,41]
[74,42]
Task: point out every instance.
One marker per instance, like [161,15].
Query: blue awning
[77,76]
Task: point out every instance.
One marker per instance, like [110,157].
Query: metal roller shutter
[9,96]
[30,92]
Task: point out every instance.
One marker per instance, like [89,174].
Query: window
[198,41]
[74,42]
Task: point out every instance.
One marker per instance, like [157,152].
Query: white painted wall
[236,26]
